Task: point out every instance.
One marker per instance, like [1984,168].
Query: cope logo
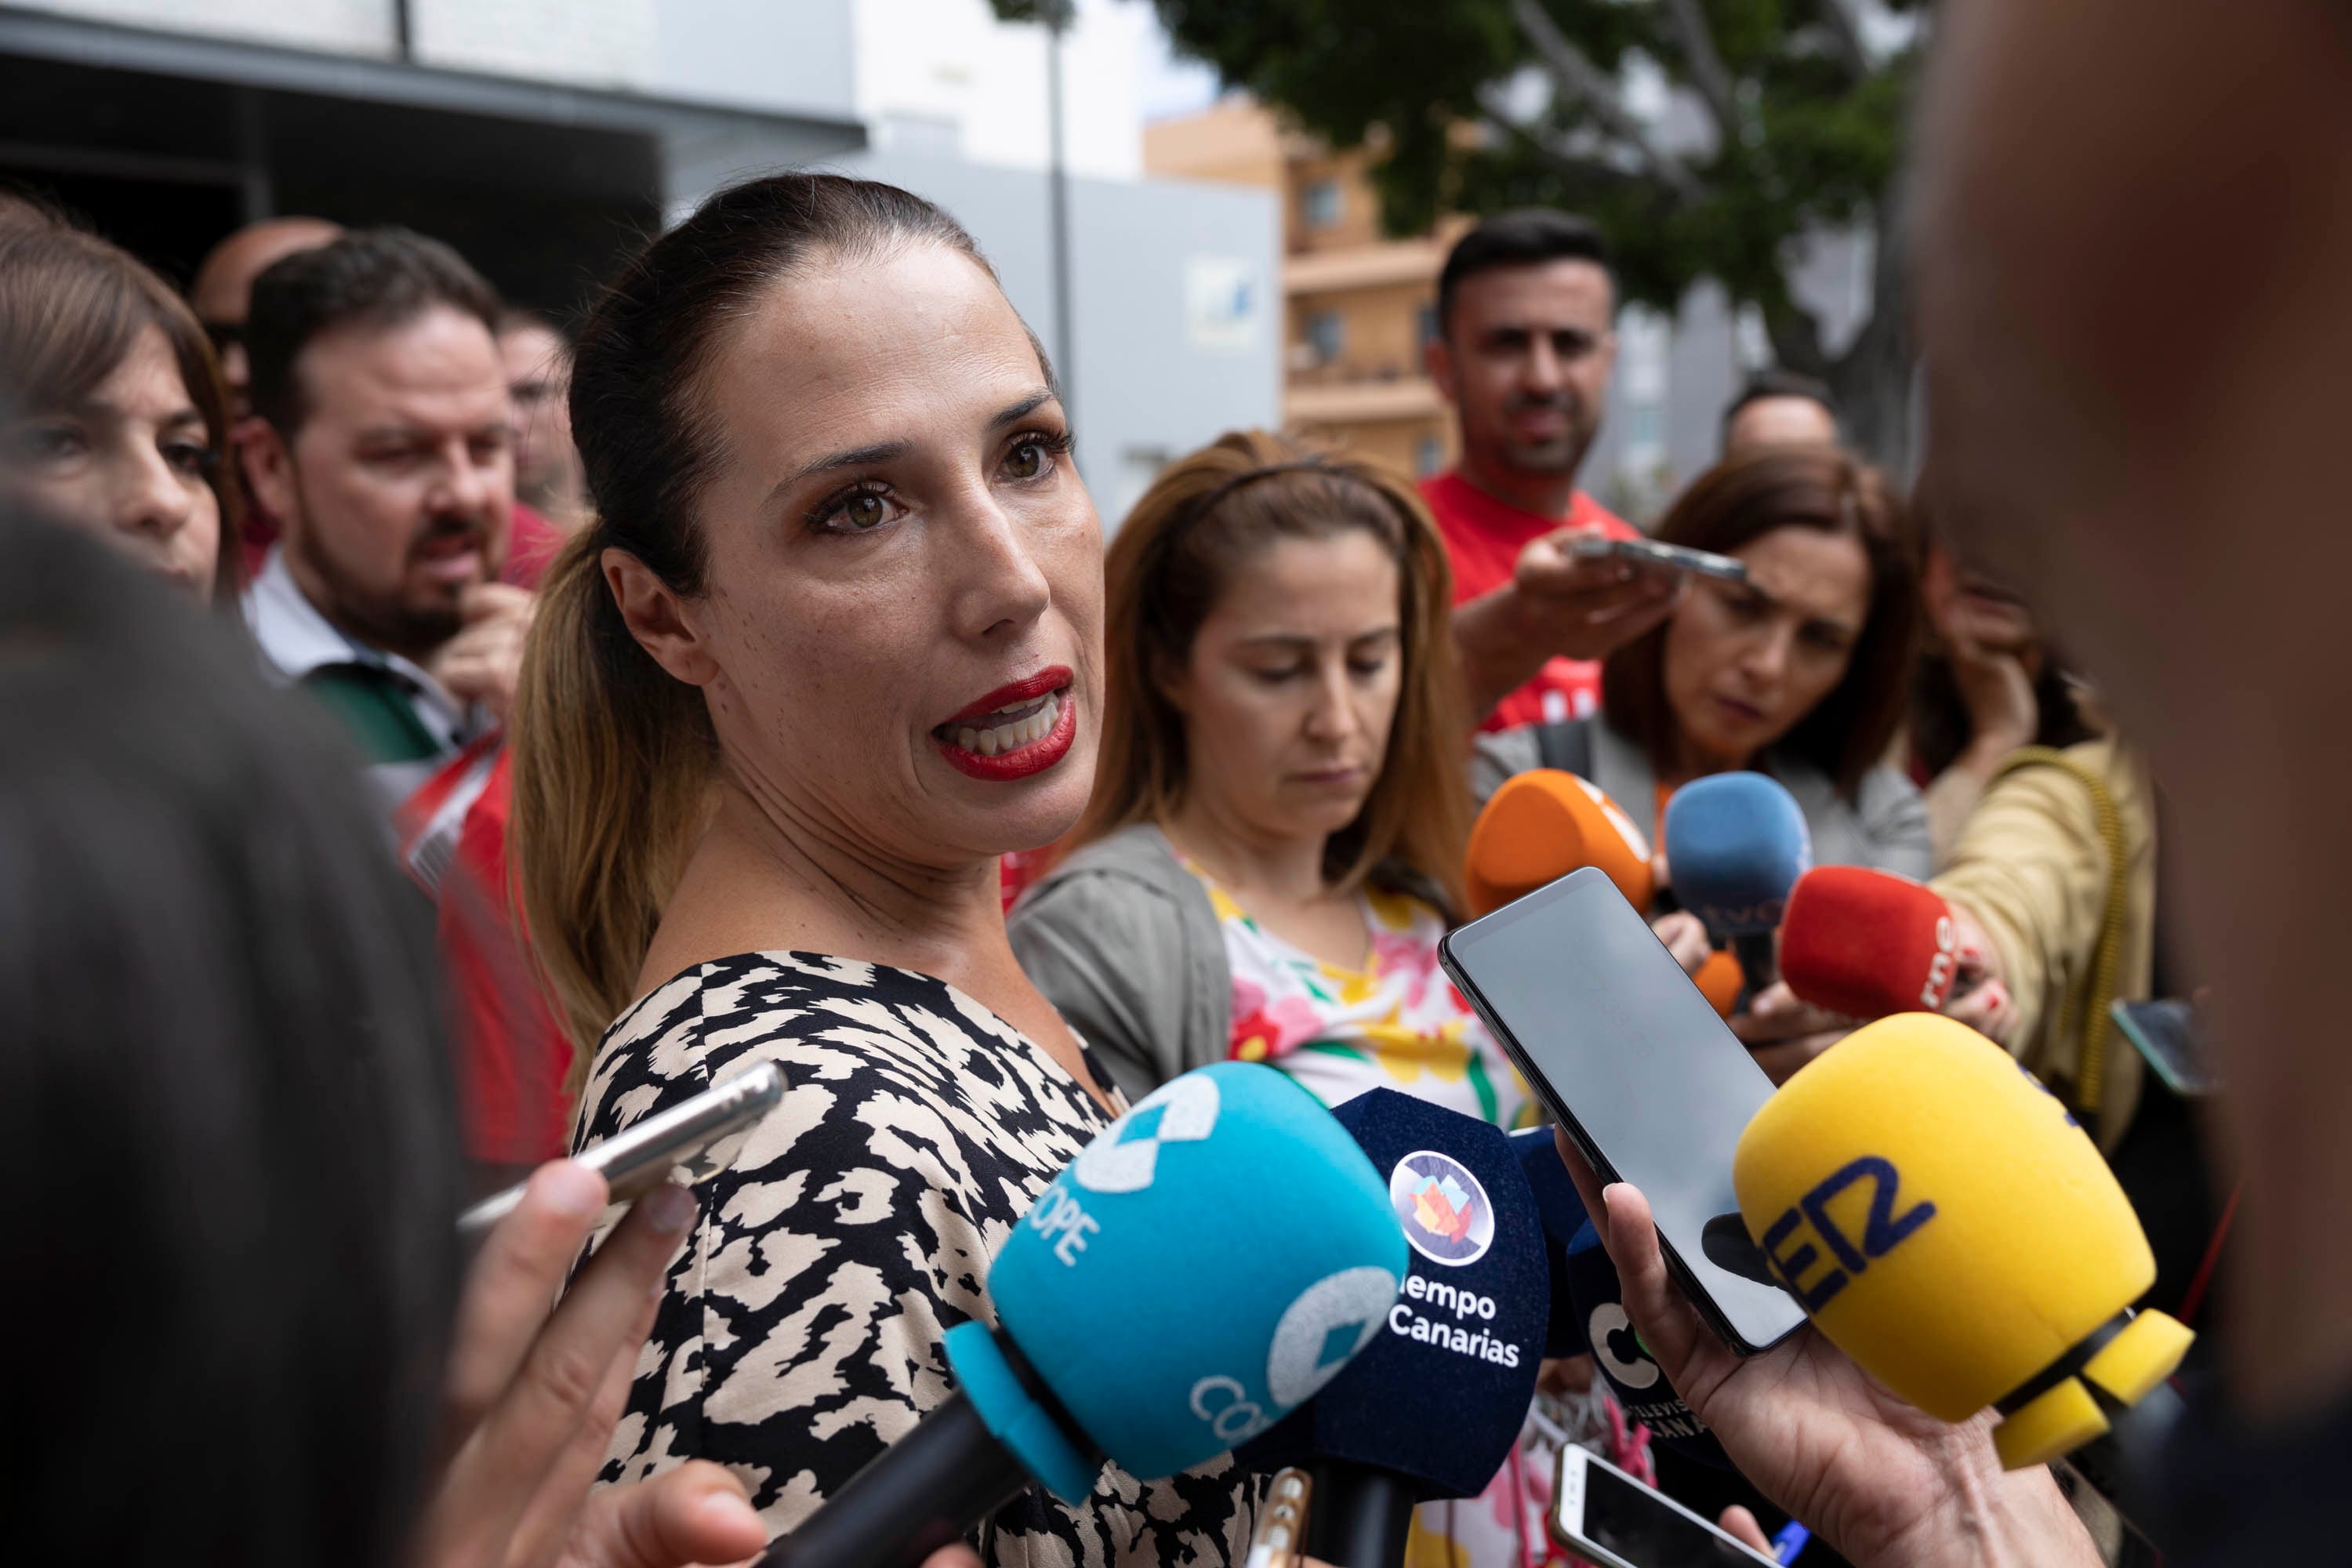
[1442,1207]
[1329,1323]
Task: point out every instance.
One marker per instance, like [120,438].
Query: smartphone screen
[2165,1033]
[1634,1062]
[1632,1522]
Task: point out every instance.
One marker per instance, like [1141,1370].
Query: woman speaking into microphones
[831,646]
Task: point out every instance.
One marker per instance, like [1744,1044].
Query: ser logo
[1882,1230]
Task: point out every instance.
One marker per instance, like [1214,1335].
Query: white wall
[345,27]
[944,78]
[777,56]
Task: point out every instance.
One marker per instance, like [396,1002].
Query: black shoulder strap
[1565,744]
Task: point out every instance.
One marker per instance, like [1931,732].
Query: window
[1644,431]
[1425,327]
[1326,335]
[1427,454]
[1320,204]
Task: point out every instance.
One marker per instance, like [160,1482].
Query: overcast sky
[1169,86]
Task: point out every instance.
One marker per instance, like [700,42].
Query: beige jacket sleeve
[2033,868]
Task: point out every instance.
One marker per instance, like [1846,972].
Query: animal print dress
[800,1332]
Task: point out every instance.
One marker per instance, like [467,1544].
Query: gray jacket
[1121,937]
[1885,826]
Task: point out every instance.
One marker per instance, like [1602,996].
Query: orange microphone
[1540,826]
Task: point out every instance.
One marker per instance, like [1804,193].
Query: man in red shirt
[1523,352]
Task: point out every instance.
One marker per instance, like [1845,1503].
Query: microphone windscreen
[1543,823]
[1202,1267]
[1736,844]
[1947,1223]
[1560,1208]
[1440,1397]
[1720,982]
[1866,944]
[1597,1297]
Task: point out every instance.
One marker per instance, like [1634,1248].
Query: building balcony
[1361,402]
[1381,265]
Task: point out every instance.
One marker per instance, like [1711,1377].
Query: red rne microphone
[1868,943]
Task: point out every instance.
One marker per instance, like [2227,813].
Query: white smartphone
[1601,1512]
[1654,556]
[633,1163]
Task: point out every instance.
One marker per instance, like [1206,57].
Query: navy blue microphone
[1736,845]
[1561,1209]
[1433,1407]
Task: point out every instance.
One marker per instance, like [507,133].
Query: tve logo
[1941,968]
[1126,1155]
[1883,1229]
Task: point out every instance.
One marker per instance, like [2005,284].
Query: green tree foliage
[1782,122]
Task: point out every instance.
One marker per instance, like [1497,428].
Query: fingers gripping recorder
[1948,1225]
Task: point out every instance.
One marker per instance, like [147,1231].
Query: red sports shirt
[1484,537]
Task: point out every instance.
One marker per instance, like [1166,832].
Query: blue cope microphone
[1431,1407]
[1203,1266]
[1736,845]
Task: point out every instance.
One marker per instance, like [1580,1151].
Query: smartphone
[1654,556]
[2165,1032]
[1641,1072]
[634,1162]
[1601,1512]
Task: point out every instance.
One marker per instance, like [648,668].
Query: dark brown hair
[71,308]
[614,758]
[1199,524]
[1740,501]
[373,277]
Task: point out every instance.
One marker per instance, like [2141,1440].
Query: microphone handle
[1758,966]
[918,1495]
[1359,1517]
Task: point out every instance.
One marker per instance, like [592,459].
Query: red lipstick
[1021,761]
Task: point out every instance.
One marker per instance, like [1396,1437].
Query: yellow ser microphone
[1945,1221]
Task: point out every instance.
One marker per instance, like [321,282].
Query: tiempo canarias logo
[1442,1207]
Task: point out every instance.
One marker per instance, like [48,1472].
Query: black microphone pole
[920,1494]
[1359,1516]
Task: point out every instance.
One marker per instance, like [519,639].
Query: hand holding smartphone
[1643,1075]
[634,1162]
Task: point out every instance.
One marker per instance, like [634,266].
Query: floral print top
[1396,1023]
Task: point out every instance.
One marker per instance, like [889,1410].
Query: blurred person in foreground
[1799,673]
[386,450]
[221,1022]
[2097,464]
[538,362]
[113,415]
[1525,339]
[1780,408]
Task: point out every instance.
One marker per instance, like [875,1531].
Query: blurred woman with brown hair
[1279,811]
[113,416]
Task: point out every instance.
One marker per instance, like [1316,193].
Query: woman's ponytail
[613,765]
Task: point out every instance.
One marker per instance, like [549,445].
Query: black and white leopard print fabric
[800,1332]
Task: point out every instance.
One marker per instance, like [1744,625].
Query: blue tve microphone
[1433,1407]
[1203,1266]
[1736,845]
